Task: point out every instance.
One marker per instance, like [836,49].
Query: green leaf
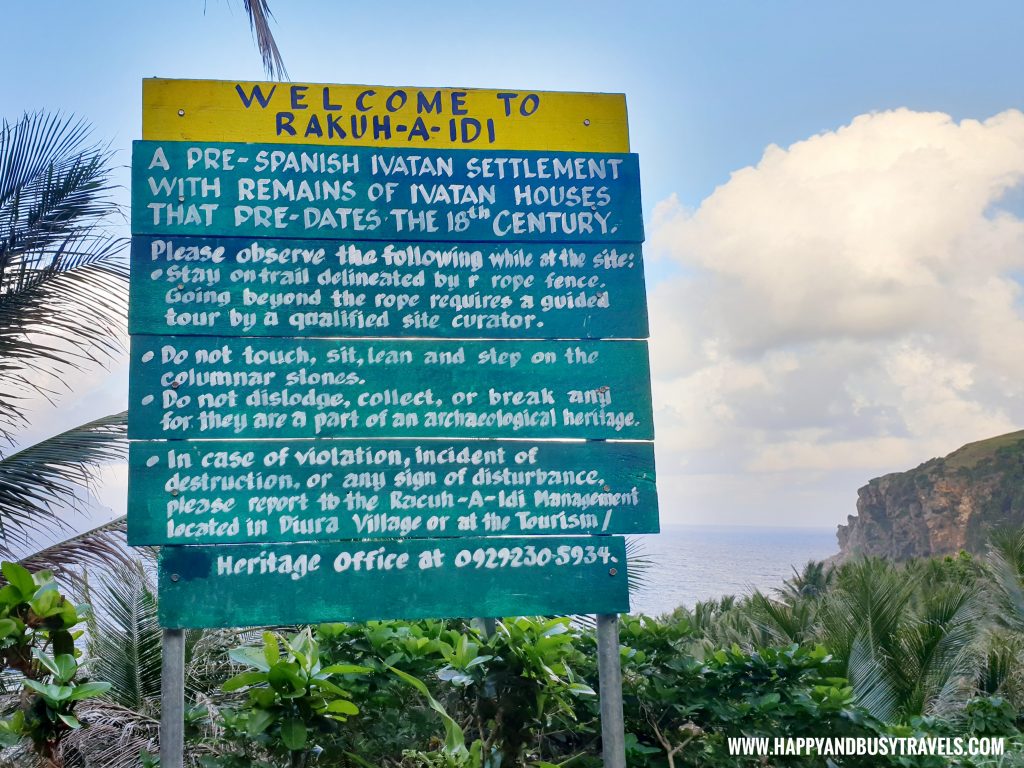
[249,657]
[19,578]
[294,733]
[54,694]
[46,603]
[581,689]
[238,682]
[284,679]
[258,721]
[46,660]
[345,669]
[324,684]
[88,691]
[455,739]
[66,667]
[262,697]
[70,721]
[271,649]
[342,707]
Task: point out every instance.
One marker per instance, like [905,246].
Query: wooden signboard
[212,387]
[374,325]
[254,190]
[220,286]
[381,116]
[242,585]
[387,359]
[270,491]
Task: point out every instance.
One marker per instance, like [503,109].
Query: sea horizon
[691,563]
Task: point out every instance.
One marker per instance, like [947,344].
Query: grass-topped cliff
[943,506]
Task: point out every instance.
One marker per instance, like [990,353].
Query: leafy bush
[37,643]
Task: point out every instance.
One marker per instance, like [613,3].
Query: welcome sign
[388,352]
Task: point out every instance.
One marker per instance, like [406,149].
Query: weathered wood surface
[375,115]
[253,585]
[211,387]
[205,492]
[253,190]
[206,286]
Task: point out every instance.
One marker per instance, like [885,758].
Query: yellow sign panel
[383,116]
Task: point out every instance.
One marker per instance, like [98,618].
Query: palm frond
[125,636]
[259,22]
[113,738]
[869,673]
[639,565]
[62,276]
[813,581]
[941,649]
[51,181]
[41,483]
[102,546]
[1006,565]
[783,622]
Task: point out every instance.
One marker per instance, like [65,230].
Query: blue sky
[709,84]
[767,418]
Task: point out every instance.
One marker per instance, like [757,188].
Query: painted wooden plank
[374,115]
[211,387]
[251,190]
[215,286]
[252,585]
[205,492]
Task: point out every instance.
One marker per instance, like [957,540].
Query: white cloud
[852,302]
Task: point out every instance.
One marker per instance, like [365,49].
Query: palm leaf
[114,737]
[869,674]
[62,277]
[41,483]
[783,623]
[1006,565]
[101,546]
[259,22]
[125,636]
[940,649]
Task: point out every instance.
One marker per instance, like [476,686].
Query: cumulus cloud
[852,302]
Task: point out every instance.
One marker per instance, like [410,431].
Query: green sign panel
[383,381]
[251,585]
[203,492]
[266,287]
[210,387]
[254,190]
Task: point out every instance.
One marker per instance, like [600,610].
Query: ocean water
[691,563]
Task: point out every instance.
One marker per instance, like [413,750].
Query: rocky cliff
[941,507]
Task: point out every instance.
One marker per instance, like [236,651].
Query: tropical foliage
[62,307]
[928,649]
[37,646]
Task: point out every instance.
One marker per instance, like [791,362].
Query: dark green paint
[192,594]
[205,286]
[494,485]
[207,199]
[616,382]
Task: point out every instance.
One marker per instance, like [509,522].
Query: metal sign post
[613,737]
[172,700]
